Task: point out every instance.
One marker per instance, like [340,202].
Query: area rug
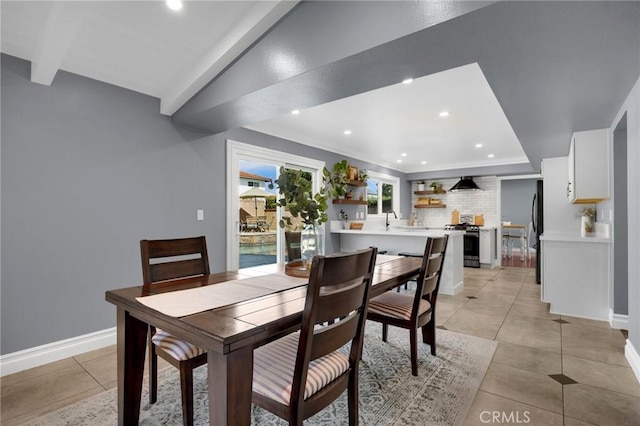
[389,395]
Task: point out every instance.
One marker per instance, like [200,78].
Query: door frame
[240,150]
[498,253]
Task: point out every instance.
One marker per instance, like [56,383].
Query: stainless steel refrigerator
[538,226]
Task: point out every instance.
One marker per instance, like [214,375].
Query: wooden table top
[514,226]
[250,322]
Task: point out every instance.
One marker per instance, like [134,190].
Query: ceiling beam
[62,25]
[255,24]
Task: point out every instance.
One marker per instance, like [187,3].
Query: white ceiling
[139,45]
[145,47]
[404,119]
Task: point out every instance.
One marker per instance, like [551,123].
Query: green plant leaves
[296,189]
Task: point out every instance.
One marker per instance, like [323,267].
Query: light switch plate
[200,214]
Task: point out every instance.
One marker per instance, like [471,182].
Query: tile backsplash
[474,202]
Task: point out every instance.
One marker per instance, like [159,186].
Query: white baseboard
[55,351]
[633,357]
[457,288]
[617,321]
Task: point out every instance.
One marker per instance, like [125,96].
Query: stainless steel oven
[472,247]
[471,243]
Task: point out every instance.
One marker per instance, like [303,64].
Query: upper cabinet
[588,181]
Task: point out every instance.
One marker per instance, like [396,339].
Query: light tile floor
[502,304]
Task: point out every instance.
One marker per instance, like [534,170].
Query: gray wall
[89,169]
[632,108]
[516,197]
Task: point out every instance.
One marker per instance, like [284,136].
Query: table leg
[230,382]
[522,247]
[132,340]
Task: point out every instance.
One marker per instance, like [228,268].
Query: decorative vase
[587,225]
[311,243]
[421,187]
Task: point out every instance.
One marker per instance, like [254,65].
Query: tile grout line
[90,375]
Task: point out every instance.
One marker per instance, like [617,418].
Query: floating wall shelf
[347,201]
[356,183]
[441,191]
[430,206]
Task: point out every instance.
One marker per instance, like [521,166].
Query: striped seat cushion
[273,366]
[178,349]
[396,305]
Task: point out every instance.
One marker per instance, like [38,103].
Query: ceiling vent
[465,183]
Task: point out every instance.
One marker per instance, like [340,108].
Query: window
[382,194]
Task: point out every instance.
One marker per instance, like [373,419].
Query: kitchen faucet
[387,222]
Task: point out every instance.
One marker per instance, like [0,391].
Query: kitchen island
[406,239]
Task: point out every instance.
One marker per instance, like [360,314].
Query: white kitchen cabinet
[487,247]
[588,180]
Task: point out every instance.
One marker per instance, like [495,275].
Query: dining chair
[417,310]
[192,260]
[298,375]
[507,242]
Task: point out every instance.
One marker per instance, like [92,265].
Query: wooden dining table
[228,333]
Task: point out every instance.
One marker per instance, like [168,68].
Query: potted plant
[435,186]
[421,184]
[588,220]
[297,196]
[363,176]
[344,217]
[339,179]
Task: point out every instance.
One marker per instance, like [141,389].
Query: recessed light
[295,112]
[490,155]
[398,161]
[407,81]
[423,162]
[174,4]
[478,145]
[347,132]
[444,114]
[404,154]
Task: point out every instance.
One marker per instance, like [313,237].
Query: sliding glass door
[253,234]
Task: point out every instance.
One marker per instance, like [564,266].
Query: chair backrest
[167,269]
[292,240]
[338,290]
[430,273]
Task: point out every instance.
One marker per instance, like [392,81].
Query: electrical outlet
[200,214]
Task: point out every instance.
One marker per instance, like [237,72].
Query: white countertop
[406,231]
[574,238]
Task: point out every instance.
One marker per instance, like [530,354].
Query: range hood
[465,183]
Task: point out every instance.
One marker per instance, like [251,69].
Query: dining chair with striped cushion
[413,311]
[164,261]
[298,375]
